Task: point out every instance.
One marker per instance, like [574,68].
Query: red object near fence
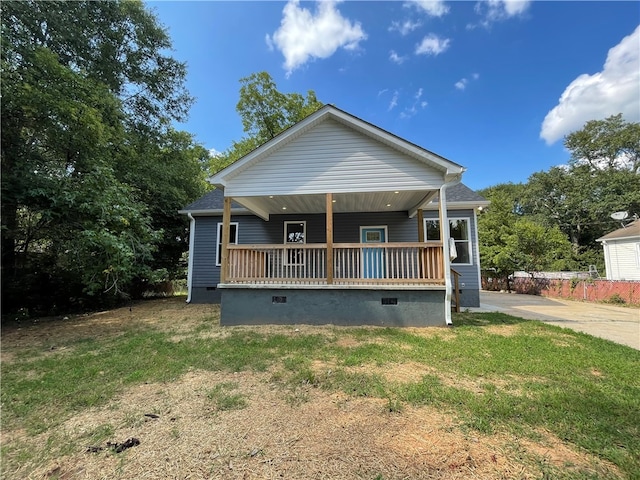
[610,291]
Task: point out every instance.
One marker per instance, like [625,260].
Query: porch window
[458,230]
[294,232]
[233,238]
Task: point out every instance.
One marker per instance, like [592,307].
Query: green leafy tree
[495,224]
[84,86]
[265,112]
[602,177]
[577,199]
[609,144]
[531,247]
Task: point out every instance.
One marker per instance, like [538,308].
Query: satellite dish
[619,215]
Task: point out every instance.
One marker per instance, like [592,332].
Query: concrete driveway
[618,324]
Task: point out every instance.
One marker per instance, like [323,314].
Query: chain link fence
[571,285]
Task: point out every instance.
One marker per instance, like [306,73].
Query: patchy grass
[553,403]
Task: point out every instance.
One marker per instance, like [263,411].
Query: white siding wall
[622,260]
[334,158]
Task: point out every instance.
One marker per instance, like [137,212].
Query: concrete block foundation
[316,306]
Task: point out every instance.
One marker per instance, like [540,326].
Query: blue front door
[373,259]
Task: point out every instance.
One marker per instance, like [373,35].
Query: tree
[531,247]
[85,85]
[609,144]
[576,199]
[602,177]
[265,112]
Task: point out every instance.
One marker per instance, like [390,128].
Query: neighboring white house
[622,252]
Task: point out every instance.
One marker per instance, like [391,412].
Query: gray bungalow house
[335,221]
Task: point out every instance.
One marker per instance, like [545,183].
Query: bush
[616,299]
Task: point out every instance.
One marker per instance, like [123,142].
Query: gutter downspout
[192,241]
[444,229]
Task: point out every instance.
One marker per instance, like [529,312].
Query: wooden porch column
[329,214]
[420,225]
[224,257]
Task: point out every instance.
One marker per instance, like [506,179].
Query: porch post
[329,209]
[224,257]
[446,261]
[420,226]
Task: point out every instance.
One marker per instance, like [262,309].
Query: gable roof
[630,231]
[448,170]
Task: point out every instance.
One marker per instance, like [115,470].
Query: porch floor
[324,286]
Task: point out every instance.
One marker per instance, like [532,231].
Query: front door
[373,258]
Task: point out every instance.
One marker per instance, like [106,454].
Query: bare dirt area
[269,432]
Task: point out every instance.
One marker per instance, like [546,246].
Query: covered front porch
[373,281]
[374,260]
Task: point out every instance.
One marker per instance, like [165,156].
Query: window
[432,230]
[294,232]
[233,238]
[459,231]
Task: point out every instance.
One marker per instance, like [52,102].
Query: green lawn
[493,372]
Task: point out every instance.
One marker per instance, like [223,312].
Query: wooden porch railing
[353,263]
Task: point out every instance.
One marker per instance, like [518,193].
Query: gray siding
[251,229]
[206,275]
[470,292]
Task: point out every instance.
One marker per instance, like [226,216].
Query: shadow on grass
[468,319]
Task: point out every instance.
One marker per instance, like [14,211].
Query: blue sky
[493,85]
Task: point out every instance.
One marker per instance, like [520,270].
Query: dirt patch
[62,331]
[185,433]
[502,330]
[331,435]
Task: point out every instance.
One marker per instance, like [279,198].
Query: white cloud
[214,153]
[432,45]
[497,10]
[405,28]
[433,8]
[595,97]
[304,35]
[463,82]
[418,94]
[395,58]
[394,101]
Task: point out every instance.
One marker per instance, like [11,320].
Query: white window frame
[288,250]
[232,241]
[468,240]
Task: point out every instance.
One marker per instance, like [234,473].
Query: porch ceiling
[391,201]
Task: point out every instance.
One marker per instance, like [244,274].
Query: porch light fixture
[333,201]
[270,196]
[396,191]
[284,208]
[388,204]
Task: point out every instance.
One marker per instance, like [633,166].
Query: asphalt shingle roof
[630,230]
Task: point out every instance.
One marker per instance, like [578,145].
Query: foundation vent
[278,299]
[389,301]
